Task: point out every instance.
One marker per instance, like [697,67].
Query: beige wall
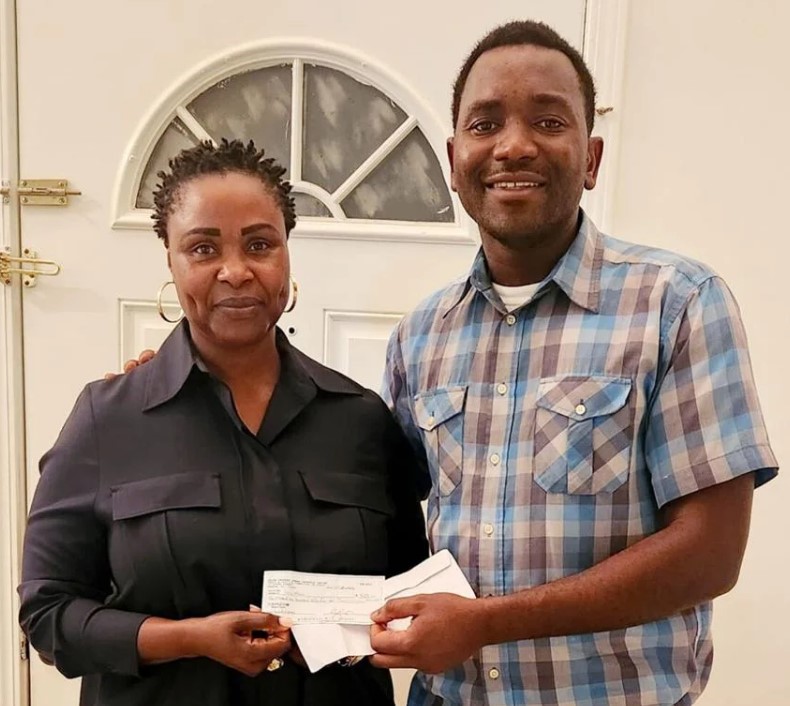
[705,170]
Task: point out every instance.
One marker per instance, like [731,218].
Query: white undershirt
[514,297]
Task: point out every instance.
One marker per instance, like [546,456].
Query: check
[314,599]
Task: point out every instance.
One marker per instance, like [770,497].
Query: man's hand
[130,365]
[445,631]
[236,639]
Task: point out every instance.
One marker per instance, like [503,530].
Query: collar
[577,272]
[177,358]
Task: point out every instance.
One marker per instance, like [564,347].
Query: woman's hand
[294,654]
[244,641]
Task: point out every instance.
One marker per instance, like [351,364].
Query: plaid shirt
[555,433]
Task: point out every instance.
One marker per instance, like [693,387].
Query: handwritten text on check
[309,598]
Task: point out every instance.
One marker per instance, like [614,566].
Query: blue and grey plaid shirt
[556,432]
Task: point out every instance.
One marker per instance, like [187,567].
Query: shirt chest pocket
[583,434]
[439,413]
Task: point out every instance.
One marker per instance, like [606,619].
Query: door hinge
[39,192]
[29,266]
[24,647]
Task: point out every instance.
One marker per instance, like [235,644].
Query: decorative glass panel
[255,105]
[307,205]
[174,139]
[344,122]
[407,186]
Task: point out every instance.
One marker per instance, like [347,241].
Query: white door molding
[14,688]
[605,35]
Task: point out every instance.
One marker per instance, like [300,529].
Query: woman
[172,489]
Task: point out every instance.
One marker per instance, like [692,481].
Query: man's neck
[515,262]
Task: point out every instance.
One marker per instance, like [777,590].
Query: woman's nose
[235,270]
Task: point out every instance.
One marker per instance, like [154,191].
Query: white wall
[705,170]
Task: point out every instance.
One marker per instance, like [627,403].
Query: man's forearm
[695,558]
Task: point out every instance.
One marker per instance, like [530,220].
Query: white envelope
[324,644]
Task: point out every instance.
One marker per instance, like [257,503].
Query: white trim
[191,123]
[605,35]
[347,229]
[379,231]
[297,119]
[307,187]
[14,675]
[373,161]
[261,54]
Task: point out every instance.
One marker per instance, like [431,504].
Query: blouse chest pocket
[347,525]
[163,527]
[583,434]
[161,493]
[439,413]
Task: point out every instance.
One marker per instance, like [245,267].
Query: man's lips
[514,181]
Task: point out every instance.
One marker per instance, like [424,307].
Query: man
[588,414]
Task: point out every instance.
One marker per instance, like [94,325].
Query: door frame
[605,33]
[14,674]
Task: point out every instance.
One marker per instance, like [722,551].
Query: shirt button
[431,420]
[510,319]
[494,458]
[488,528]
[493,673]
[501,388]
[581,410]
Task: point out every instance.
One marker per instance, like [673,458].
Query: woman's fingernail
[286,622]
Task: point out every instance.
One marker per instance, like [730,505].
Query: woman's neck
[247,366]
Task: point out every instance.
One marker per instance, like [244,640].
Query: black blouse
[157,500]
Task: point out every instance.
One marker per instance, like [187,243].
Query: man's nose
[515,142]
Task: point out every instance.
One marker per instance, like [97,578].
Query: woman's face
[228,254]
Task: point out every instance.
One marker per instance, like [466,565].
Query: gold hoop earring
[294,296]
[161,308]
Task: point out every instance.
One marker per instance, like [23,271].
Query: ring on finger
[274,665]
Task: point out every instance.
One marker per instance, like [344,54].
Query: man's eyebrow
[483,106]
[551,99]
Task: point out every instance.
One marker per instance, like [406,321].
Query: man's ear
[594,157]
[451,158]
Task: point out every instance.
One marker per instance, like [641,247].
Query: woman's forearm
[162,640]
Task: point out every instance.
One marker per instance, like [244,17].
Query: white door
[100,82]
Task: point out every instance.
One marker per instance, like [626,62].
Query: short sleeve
[704,424]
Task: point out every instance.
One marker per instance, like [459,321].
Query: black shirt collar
[172,366]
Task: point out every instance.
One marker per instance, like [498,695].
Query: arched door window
[354,153]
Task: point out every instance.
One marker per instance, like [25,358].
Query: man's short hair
[530,33]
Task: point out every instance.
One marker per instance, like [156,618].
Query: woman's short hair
[209,158]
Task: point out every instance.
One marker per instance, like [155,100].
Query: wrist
[483,618]
[190,637]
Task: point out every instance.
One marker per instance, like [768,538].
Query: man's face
[520,155]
